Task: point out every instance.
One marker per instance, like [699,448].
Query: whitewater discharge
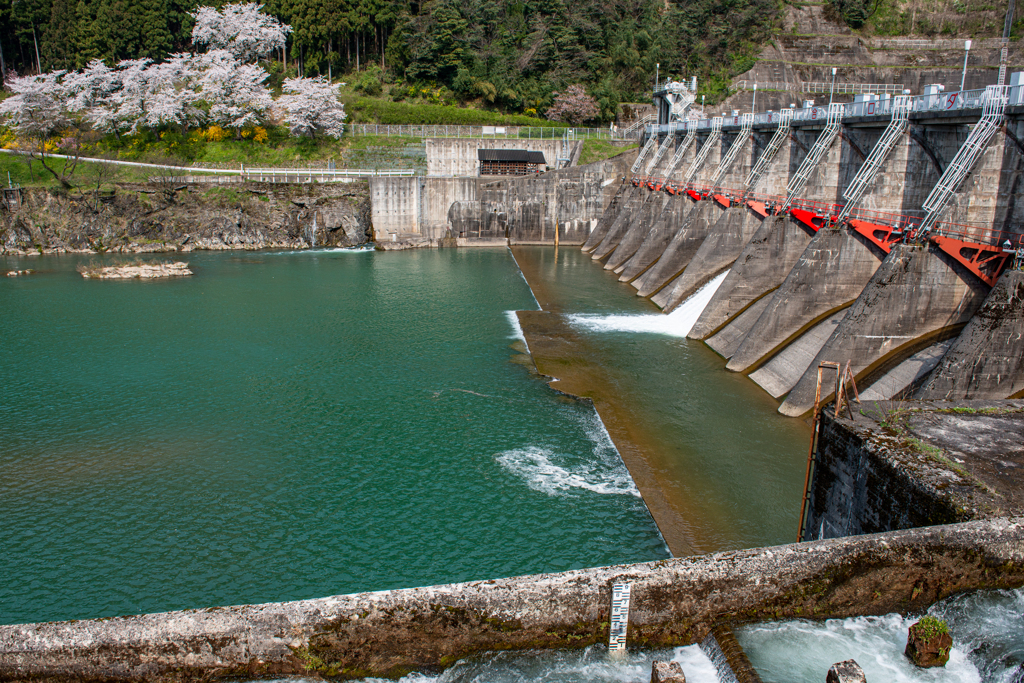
[678,323]
[325,251]
[591,664]
[556,474]
[517,329]
[986,626]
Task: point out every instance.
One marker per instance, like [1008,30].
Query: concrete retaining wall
[458,156]
[674,602]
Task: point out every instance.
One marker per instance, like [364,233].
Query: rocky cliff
[184,217]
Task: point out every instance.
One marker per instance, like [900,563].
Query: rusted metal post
[814,433]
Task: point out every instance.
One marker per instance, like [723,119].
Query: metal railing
[746,124]
[815,87]
[318,175]
[765,160]
[498,132]
[818,150]
[965,101]
[656,159]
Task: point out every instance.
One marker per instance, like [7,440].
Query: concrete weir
[389,633]
[761,267]
[830,274]
[987,359]
[685,243]
[914,298]
[650,213]
[656,240]
[611,212]
[718,251]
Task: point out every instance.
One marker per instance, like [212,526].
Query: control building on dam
[885,233]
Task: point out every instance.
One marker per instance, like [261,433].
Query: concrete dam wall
[872,289]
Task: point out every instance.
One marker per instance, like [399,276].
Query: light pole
[702,106]
[963,76]
[832,90]
[753,103]
[657,73]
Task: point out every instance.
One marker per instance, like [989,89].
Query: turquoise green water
[285,426]
[730,464]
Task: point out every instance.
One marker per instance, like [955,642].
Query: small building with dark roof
[510,161]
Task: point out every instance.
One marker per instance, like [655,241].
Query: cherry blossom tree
[234,91]
[573,106]
[310,107]
[38,111]
[241,29]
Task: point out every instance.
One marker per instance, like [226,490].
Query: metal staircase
[673,164]
[653,163]
[651,141]
[960,167]
[766,158]
[638,125]
[818,150]
[746,125]
[702,154]
[866,175]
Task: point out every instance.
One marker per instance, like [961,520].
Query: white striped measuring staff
[620,617]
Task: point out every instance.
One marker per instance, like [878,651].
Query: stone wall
[889,465]
[389,633]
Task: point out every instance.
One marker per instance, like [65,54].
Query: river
[286,425]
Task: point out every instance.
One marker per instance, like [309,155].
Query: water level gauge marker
[620,618]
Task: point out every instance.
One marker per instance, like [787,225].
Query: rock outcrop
[159,217]
[139,271]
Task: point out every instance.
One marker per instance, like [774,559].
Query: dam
[870,232]
[788,281]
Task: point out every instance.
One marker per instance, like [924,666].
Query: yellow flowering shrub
[215,134]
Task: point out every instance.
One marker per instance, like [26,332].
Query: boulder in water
[929,642]
[846,672]
[667,672]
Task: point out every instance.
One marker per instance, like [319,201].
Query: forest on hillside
[509,55]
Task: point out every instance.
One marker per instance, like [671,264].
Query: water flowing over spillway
[678,323]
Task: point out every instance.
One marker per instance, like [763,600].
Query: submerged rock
[846,672]
[667,672]
[929,643]
[138,271]
[18,273]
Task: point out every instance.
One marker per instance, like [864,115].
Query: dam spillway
[813,228]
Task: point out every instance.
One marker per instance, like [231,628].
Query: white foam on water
[539,469]
[802,651]
[363,249]
[517,329]
[678,323]
[591,664]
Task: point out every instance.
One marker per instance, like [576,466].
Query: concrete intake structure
[390,633]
